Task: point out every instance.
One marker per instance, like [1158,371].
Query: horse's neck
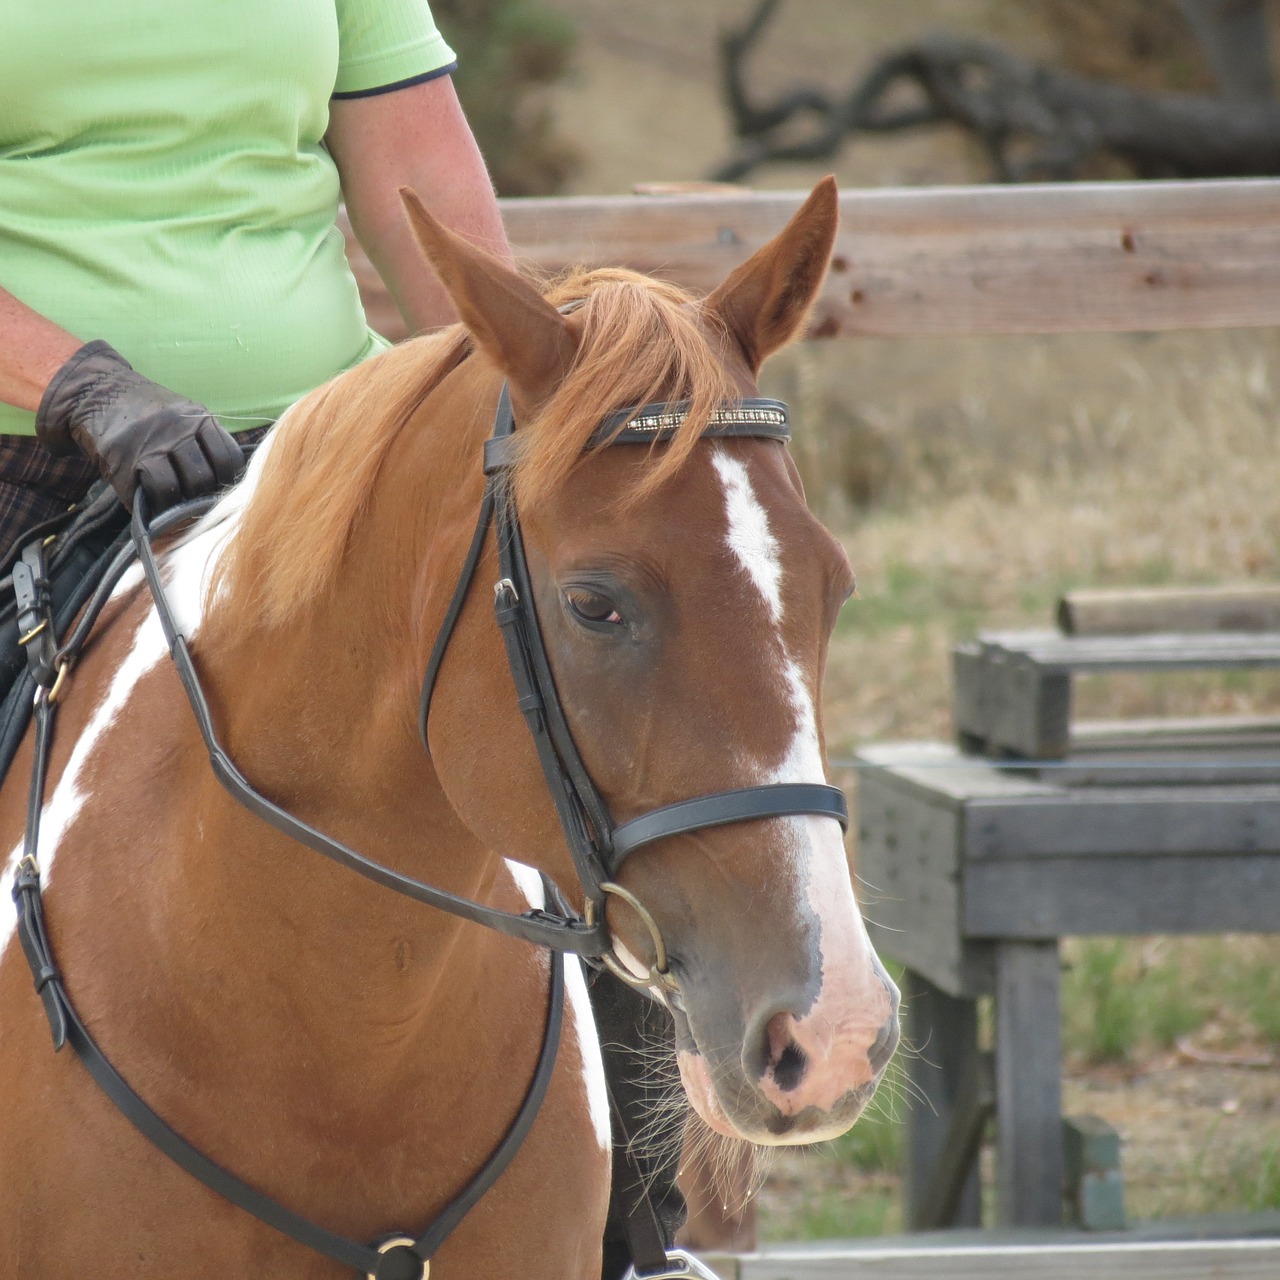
[326,726]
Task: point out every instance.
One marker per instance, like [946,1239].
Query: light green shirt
[164,183]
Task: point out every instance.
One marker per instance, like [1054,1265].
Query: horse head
[686,596]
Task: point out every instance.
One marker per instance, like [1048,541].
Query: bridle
[597,846]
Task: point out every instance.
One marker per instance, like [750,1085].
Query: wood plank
[938,772]
[1169,1260]
[1105,822]
[1029,1152]
[1193,732]
[941,1186]
[1052,651]
[1135,611]
[909,884]
[1042,258]
[1169,751]
[1059,897]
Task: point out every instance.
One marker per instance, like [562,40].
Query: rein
[597,846]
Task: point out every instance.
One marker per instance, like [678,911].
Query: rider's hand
[140,435]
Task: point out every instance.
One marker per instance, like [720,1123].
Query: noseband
[598,846]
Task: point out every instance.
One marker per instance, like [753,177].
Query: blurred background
[974,480]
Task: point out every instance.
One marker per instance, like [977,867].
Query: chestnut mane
[641,340]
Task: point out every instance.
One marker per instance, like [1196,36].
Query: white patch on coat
[529,882]
[63,807]
[186,569]
[750,538]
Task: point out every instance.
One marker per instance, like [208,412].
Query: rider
[167,243]
[176,201]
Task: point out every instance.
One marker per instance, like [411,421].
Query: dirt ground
[972,481]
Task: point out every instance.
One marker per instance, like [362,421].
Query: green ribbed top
[164,185]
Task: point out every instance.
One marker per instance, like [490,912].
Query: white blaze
[750,538]
[815,844]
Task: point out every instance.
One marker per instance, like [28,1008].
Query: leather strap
[778,800]
[67,1028]
[657,423]
[538,927]
[34,601]
[646,1239]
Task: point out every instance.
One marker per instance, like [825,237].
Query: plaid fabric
[35,485]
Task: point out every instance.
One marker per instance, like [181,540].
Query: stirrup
[680,1266]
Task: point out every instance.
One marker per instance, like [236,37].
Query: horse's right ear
[509,319]
[764,303]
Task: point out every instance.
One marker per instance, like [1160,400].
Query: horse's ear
[764,302]
[507,316]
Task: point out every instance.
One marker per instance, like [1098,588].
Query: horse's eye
[592,608]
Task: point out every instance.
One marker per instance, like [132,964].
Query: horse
[347,1051]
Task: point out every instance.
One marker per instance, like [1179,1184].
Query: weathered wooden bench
[977,859]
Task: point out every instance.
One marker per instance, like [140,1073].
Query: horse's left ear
[523,333]
[764,302]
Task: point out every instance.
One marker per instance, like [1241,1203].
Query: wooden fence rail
[1174,1260]
[1049,258]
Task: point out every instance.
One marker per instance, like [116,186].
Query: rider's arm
[32,350]
[413,137]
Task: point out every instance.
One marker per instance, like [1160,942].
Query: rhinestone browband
[768,414]
[653,423]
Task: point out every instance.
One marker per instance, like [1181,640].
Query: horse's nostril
[784,1060]
[788,1071]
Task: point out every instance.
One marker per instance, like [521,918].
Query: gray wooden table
[973,871]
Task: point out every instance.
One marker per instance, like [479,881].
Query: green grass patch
[873,1145]
[914,595]
[1122,994]
[837,1214]
[1100,1003]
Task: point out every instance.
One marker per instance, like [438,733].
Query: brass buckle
[64,665]
[35,631]
[659,974]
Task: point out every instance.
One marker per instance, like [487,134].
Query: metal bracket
[680,1266]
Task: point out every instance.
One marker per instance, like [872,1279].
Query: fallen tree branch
[1033,121]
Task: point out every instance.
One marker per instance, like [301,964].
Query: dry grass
[996,473]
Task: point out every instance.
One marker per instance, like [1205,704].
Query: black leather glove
[140,435]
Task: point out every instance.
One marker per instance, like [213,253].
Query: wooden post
[942,1031]
[1028,1084]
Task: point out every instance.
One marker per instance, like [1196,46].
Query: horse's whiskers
[736,1169]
